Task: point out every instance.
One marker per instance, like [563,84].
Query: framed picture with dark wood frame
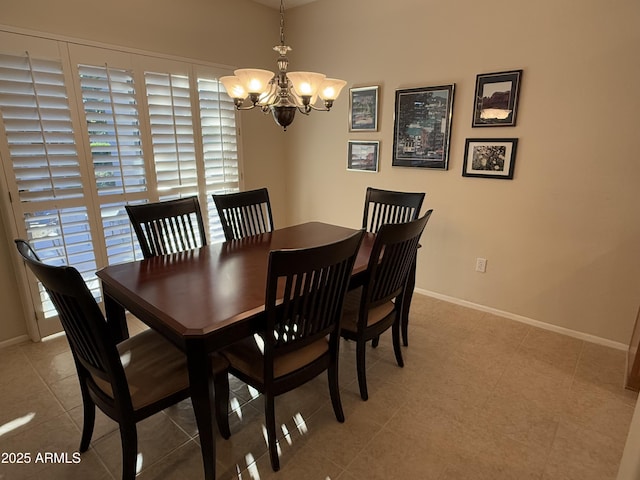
[363,155]
[363,109]
[496,100]
[422,127]
[489,157]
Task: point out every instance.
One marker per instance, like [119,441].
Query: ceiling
[287,3]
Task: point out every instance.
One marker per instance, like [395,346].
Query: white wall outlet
[481,264]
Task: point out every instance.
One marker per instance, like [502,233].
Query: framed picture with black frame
[490,157]
[496,100]
[422,127]
[363,155]
[363,109]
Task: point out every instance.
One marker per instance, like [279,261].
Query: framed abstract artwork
[496,100]
[363,156]
[489,157]
[363,109]
[422,127]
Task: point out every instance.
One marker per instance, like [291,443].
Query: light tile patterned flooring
[480,398]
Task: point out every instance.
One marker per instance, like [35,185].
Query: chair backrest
[311,284]
[85,326]
[386,206]
[168,227]
[393,252]
[244,214]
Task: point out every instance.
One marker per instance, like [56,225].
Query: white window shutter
[188,123]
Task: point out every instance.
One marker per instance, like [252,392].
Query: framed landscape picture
[363,109]
[422,128]
[363,156]
[496,101]
[489,157]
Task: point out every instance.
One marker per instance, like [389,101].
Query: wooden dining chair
[387,206]
[168,227]
[303,304]
[128,381]
[243,214]
[376,306]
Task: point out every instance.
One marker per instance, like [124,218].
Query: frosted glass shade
[254,80]
[331,88]
[233,87]
[306,83]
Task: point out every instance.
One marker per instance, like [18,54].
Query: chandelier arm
[319,109]
[250,107]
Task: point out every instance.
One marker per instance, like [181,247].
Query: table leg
[202,397]
[116,319]
[406,303]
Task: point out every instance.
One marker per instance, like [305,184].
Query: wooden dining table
[204,299]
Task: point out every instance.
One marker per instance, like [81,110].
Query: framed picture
[422,129]
[363,109]
[489,157]
[363,156]
[496,102]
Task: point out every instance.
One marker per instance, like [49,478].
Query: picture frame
[422,127]
[496,99]
[363,109]
[490,157]
[363,155]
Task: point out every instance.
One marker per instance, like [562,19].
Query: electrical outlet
[481,264]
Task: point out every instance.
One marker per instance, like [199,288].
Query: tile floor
[480,397]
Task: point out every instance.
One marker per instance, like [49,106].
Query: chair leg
[270,418]
[407,295]
[334,390]
[375,342]
[362,374]
[395,333]
[129,439]
[89,419]
[221,387]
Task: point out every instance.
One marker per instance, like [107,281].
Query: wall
[561,238]
[196,29]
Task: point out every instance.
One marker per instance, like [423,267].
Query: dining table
[204,299]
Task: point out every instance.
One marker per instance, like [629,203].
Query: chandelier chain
[281,22]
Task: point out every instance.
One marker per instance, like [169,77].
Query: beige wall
[561,239]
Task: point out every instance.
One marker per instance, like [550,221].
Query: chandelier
[282,93]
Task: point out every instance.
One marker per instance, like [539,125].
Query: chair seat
[349,320]
[246,357]
[154,369]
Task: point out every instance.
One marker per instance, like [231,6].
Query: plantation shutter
[220,145]
[44,165]
[85,131]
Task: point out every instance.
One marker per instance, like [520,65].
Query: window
[87,130]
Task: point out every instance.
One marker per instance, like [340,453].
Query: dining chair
[376,306]
[300,339]
[388,206]
[168,227]
[128,381]
[243,214]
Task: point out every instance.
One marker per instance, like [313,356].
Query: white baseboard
[13,341]
[519,318]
